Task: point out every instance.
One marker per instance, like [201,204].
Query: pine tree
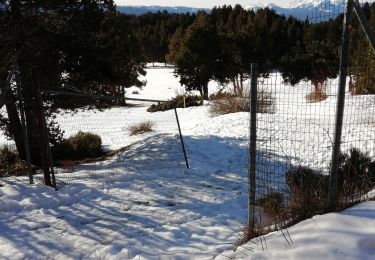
[197,61]
[72,37]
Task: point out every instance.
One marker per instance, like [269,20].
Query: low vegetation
[229,103]
[308,191]
[179,101]
[141,128]
[306,194]
[79,146]
[10,163]
[356,176]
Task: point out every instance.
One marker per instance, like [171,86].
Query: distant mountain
[138,10]
[314,9]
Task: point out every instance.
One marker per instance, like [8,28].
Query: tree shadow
[140,202]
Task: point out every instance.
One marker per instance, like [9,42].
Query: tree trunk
[238,92]
[15,127]
[205,91]
[317,85]
[31,117]
[241,84]
[235,88]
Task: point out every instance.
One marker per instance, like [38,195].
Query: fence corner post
[252,146]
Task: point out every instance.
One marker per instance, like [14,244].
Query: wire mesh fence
[132,140]
[88,142]
[296,144]
[294,149]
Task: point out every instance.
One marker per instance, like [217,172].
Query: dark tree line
[87,46]
[232,38]
[221,46]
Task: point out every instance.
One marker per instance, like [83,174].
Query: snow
[345,235]
[143,204]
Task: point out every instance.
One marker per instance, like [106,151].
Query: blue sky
[200,3]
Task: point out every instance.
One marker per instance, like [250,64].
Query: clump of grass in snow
[228,103]
[141,128]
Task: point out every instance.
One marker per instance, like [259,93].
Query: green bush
[8,155]
[356,174]
[177,102]
[308,192]
[8,159]
[309,189]
[272,204]
[79,146]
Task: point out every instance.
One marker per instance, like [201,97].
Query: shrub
[86,144]
[308,192]
[135,92]
[9,160]
[177,102]
[309,189]
[272,205]
[141,128]
[356,174]
[227,103]
[79,146]
[8,156]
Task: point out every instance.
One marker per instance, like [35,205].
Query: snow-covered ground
[145,205]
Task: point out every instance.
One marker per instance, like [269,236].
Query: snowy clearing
[147,206]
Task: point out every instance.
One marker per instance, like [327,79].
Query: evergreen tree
[315,59]
[197,60]
[76,38]
[362,65]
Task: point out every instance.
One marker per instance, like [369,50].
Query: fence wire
[133,140]
[295,140]
[295,143]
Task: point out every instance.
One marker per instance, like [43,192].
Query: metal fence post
[332,192]
[182,140]
[252,146]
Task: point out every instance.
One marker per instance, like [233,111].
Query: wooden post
[42,127]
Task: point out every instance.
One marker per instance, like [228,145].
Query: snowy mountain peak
[304,8]
[314,3]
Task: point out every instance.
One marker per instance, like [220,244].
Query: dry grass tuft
[141,128]
[226,104]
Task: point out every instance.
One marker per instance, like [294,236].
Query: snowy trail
[142,213]
[143,204]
